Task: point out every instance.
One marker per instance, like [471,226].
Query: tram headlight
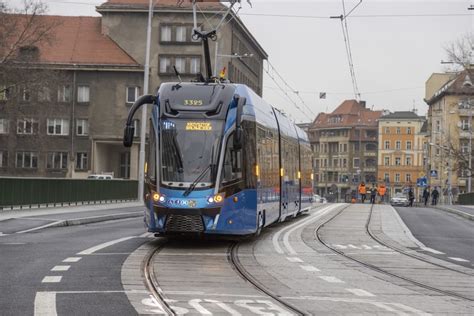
[218,198]
[157,197]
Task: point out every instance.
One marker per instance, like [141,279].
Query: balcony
[464,134]
[370,153]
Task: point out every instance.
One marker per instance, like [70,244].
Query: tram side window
[232,162]
[151,160]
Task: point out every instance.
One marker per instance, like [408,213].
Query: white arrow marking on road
[458,259]
[45,304]
[104,245]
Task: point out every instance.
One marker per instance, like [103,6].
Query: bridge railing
[37,192]
[466,198]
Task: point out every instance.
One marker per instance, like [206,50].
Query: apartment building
[344,143]
[73,127]
[402,147]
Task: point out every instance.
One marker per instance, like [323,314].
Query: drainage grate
[184,223]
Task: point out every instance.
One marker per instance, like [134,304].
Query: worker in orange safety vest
[382,190]
[362,191]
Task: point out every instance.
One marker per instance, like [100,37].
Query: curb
[456,212]
[85,220]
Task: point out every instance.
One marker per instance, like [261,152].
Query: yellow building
[451,104]
[401,151]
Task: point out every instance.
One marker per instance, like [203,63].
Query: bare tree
[460,52]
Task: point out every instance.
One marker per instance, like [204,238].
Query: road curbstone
[456,212]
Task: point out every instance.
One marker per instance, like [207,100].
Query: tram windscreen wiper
[195,182]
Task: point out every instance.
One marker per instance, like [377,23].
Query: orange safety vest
[382,190]
[362,189]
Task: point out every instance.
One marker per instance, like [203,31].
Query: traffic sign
[422,182]
[434,173]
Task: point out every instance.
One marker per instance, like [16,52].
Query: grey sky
[394,51]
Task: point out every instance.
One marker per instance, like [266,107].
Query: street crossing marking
[60,268]
[72,259]
[45,304]
[51,279]
[360,292]
[361,247]
[330,279]
[310,268]
[458,259]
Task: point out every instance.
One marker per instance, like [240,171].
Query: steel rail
[152,283]
[232,257]
[378,269]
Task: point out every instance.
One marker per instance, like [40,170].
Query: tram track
[373,267]
[233,259]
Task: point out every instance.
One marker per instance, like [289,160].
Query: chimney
[362,103]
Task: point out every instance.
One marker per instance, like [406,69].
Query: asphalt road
[445,232]
[26,259]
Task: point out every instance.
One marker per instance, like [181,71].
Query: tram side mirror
[238,128]
[128,133]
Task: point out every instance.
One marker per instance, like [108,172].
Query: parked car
[100,176]
[399,199]
[318,199]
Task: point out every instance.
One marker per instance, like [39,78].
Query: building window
[3,126]
[165,65]
[387,144]
[387,130]
[398,145]
[181,34]
[5,92]
[83,94]
[465,124]
[195,65]
[25,94]
[44,94]
[57,160]
[3,159]
[344,163]
[136,128]
[464,148]
[386,177]
[58,127]
[81,161]
[165,33]
[387,161]
[397,177]
[180,64]
[398,130]
[408,145]
[82,127]
[409,130]
[132,94]
[356,163]
[64,93]
[26,159]
[27,127]
[408,160]
[397,161]
[335,163]
[438,126]
[345,148]
[408,177]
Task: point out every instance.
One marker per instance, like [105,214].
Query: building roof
[402,115]
[78,40]
[456,86]
[348,114]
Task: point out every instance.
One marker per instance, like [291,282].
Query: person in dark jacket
[411,197]
[434,196]
[426,195]
[373,193]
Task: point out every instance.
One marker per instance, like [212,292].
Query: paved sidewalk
[466,211]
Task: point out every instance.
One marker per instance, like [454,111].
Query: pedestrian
[411,197]
[373,193]
[434,196]
[381,190]
[426,195]
[362,191]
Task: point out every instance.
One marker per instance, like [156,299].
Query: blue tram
[221,161]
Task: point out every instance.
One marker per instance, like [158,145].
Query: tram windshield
[189,151]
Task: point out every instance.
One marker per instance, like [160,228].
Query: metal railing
[466,198]
[29,192]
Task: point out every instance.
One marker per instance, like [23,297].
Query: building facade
[450,112]
[344,144]
[401,151]
[73,126]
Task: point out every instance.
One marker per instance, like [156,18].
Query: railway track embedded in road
[384,271]
[233,259]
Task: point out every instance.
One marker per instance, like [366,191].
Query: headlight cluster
[157,197]
[218,198]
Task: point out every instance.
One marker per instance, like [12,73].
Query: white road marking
[45,304]
[310,268]
[294,259]
[366,247]
[225,307]
[286,237]
[104,245]
[360,292]
[147,235]
[60,268]
[458,259]
[436,252]
[52,279]
[57,223]
[341,246]
[2,234]
[352,246]
[72,259]
[330,279]
[195,303]
[276,236]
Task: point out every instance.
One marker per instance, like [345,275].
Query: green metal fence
[466,198]
[41,191]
